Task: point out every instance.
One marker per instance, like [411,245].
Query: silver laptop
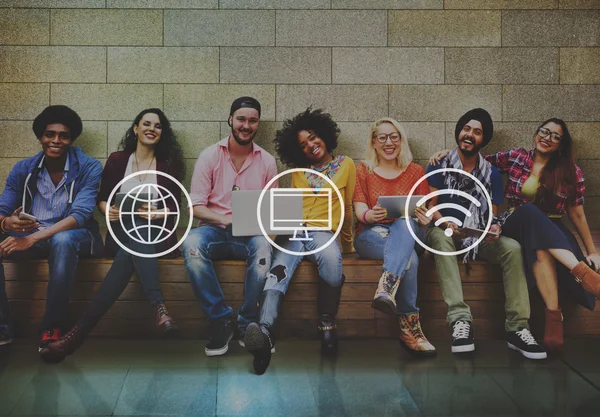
[245,223]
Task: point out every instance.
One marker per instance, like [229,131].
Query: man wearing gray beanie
[454,231]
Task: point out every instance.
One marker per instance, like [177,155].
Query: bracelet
[2,225]
[364,216]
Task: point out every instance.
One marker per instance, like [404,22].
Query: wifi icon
[451,219]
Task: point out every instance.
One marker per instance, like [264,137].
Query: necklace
[141,180]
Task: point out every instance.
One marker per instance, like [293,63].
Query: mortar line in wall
[275,29]
[163,28]
[49,28]
[559,70]
[106,59]
[219,53]
[389,87]
[163,96]
[501,30]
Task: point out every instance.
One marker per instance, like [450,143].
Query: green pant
[507,253]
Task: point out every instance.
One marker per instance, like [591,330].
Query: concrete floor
[369,378]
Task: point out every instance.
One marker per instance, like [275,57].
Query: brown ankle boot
[412,337]
[553,333]
[587,277]
[57,351]
[163,321]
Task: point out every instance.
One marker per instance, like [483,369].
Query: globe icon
[145,199]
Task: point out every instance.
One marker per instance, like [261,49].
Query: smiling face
[244,124]
[390,148]
[313,147]
[56,140]
[148,130]
[550,143]
[470,138]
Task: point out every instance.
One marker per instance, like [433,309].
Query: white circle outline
[266,188]
[487,196]
[189,226]
[162,228]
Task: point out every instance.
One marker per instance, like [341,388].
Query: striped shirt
[50,202]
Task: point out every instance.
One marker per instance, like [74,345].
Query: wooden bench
[131,316]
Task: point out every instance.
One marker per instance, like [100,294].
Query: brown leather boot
[412,337]
[553,333]
[587,277]
[57,351]
[164,322]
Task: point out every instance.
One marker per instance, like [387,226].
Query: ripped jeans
[394,245]
[328,260]
[206,244]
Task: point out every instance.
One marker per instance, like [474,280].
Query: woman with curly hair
[308,141]
[149,144]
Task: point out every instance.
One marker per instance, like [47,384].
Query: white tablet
[396,204]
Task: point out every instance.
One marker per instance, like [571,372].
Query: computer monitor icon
[281,219]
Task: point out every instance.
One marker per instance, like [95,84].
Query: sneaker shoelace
[461,330]
[161,309]
[527,337]
[416,331]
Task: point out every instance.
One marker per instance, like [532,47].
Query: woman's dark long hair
[560,171]
[167,148]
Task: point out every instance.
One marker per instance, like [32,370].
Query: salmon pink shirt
[215,176]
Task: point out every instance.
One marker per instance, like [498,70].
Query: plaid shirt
[517,163]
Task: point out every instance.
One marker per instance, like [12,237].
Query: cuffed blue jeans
[206,244]
[63,251]
[328,260]
[393,244]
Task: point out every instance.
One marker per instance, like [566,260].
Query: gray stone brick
[443,102]
[163,4]
[274,4]
[444,28]
[537,103]
[276,65]
[59,63]
[580,65]
[500,4]
[585,137]
[24,27]
[579,4]
[590,168]
[551,28]
[388,65]
[107,27]
[331,28]
[212,102]
[168,65]
[107,101]
[387,4]
[343,102]
[23,101]
[220,27]
[502,65]
[57,4]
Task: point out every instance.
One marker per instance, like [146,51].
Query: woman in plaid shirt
[544,183]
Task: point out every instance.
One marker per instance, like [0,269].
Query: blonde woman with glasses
[389,171]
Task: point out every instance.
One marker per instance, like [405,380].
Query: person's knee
[509,248]
[543,255]
[275,275]
[195,245]
[437,239]
[65,240]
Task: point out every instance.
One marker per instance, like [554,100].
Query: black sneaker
[524,342]
[221,334]
[242,336]
[462,332]
[259,343]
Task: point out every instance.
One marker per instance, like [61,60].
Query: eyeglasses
[544,133]
[394,137]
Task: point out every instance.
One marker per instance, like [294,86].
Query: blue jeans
[63,251]
[206,244]
[329,261]
[121,271]
[394,245]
